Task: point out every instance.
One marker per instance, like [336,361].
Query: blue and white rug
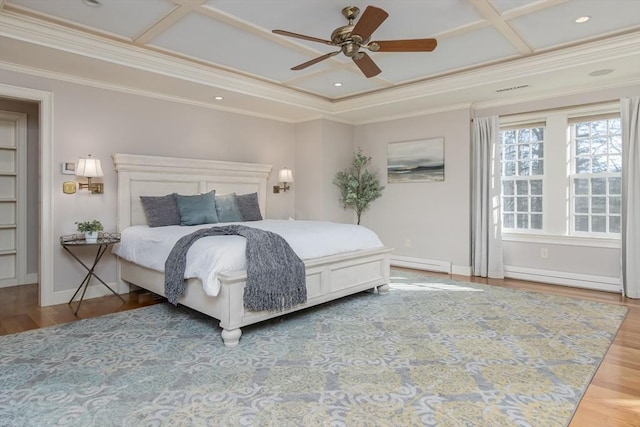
[431,352]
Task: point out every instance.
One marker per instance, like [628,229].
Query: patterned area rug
[431,352]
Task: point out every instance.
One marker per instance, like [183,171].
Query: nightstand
[102,244]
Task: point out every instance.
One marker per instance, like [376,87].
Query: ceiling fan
[352,38]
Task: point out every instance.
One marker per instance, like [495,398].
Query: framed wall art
[415,161]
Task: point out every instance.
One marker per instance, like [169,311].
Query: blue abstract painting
[414,161]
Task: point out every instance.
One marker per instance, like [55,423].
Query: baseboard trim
[93,291]
[461,270]
[421,264]
[29,279]
[8,284]
[598,283]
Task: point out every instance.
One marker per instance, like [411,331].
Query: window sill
[549,239]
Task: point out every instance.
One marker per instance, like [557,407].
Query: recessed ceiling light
[218,98]
[582,19]
[337,84]
[92,3]
[602,72]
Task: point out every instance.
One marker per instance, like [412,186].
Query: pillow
[197,209]
[249,206]
[227,208]
[160,210]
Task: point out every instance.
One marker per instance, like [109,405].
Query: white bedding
[212,255]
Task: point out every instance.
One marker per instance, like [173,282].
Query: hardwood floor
[612,398]
[19,310]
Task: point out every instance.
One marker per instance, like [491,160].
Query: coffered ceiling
[193,50]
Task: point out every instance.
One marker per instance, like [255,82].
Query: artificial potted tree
[358,187]
[90,229]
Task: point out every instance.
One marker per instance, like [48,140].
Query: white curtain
[486,221]
[630,120]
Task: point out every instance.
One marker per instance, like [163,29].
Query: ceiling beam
[180,11]
[498,22]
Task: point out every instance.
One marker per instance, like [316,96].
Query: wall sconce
[285,176]
[90,168]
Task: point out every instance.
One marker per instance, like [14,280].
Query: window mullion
[556,177]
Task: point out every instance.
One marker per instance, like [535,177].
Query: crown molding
[425,112]
[631,82]
[134,91]
[50,35]
[613,48]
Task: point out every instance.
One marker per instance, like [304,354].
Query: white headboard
[157,176]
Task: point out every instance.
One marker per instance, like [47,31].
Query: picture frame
[419,160]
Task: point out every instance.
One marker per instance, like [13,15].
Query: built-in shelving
[12,197]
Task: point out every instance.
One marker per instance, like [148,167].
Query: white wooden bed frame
[328,278]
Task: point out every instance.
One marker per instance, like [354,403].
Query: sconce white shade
[285,175]
[89,167]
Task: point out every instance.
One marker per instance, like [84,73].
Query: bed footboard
[328,278]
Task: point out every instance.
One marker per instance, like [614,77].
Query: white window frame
[557,183]
[572,196]
[528,179]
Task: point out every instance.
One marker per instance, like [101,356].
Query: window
[561,172]
[596,175]
[522,156]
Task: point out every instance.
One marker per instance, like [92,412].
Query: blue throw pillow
[249,206]
[227,208]
[198,209]
[160,210]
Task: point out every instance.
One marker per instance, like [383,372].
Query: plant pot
[91,236]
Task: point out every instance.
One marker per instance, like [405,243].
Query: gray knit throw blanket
[275,274]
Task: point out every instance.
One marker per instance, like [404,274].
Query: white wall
[308,178]
[425,220]
[323,147]
[102,122]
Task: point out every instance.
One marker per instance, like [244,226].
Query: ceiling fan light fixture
[582,19]
[337,84]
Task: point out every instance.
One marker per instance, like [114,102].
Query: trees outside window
[561,172]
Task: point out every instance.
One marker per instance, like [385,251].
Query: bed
[327,277]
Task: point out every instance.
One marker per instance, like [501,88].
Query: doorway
[14,251]
[43,181]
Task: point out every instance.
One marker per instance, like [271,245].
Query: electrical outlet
[544,253]
[407,243]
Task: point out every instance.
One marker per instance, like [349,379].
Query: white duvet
[212,255]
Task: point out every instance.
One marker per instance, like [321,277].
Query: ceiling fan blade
[302,36]
[366,65]
[314,61]
[410,45]
[369,22]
